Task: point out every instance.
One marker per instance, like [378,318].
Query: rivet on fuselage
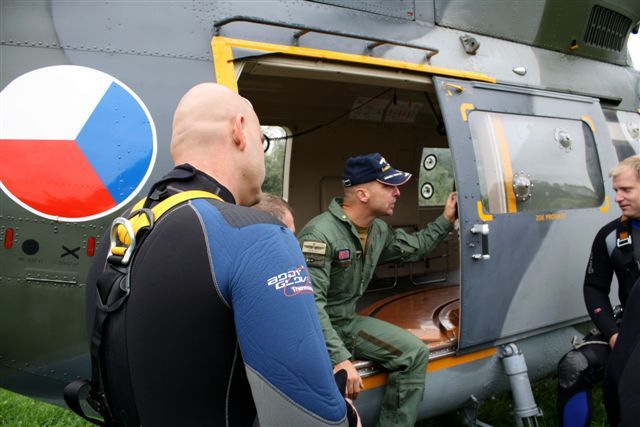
[521,71]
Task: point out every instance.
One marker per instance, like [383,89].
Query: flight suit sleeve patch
[342,258]
[314,253]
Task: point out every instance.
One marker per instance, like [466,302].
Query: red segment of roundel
[53,177]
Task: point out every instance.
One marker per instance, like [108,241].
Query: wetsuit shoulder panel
[260,271]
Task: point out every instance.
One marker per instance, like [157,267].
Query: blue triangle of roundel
[118,142]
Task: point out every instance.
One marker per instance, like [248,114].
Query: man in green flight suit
[342,247]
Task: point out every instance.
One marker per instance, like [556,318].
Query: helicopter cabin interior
[319,113]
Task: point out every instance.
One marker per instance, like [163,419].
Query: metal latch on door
[482,229]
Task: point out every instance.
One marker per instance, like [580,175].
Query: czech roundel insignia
[75,143]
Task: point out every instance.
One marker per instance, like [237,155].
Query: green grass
[498,412]
[17,410]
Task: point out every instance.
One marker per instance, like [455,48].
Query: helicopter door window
[277,145]
[624,128]
[533,164]
[435,181]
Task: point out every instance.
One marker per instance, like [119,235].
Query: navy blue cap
[372,167]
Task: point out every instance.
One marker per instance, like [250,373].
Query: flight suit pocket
[341,264]
[314,260]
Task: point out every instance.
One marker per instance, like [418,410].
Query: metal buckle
[148,212]
[623,242]
[126,223]
[574,342]
[114,238]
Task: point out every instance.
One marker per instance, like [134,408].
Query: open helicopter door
[532,195]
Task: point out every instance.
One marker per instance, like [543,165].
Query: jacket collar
[186,177]
[336,210]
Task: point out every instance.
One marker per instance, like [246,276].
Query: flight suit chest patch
[314,253]
[342,258]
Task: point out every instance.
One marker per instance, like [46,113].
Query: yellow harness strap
[141,219]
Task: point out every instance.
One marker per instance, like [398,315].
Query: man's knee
[417,359]
[413,358]
[571,369]
[582,368]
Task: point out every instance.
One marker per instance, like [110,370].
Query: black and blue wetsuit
[221,320]
[622,378]
[605,260]
[581,368]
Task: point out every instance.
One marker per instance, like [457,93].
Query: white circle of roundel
[54,104]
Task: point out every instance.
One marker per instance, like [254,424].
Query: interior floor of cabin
[430,312]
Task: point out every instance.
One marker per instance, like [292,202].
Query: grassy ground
[17,410]
[498,412]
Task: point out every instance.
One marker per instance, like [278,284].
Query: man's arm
[404,247]
[597,285]
[261,275]
[317,252]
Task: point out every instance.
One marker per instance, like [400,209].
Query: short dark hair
[275,205]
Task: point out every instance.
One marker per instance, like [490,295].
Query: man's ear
[237,132]
[362,194]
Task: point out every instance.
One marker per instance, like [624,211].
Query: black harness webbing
[113,288]
[625,244]
[623,234]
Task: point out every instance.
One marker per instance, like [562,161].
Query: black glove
[341,382]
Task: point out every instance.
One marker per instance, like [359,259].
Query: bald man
[220,324]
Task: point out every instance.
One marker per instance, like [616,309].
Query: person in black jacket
[615,250]
[622,377]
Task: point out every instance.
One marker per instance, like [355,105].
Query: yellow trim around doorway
[222,48]
[223,62]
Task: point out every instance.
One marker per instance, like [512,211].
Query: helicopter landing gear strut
[525,409]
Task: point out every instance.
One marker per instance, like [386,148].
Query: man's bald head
[217,131]
[204,115]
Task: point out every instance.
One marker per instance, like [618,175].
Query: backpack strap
[71,395]
[624,242]
[623,234]
[113,288]
[124,231]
